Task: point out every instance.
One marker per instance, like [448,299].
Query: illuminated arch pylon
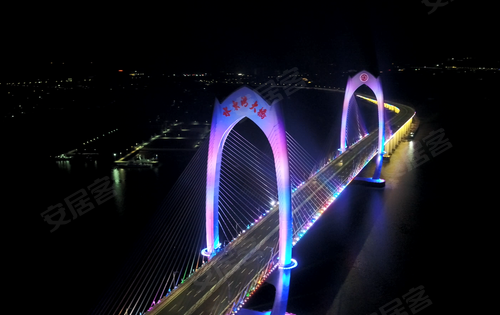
[244,102]
[353,83]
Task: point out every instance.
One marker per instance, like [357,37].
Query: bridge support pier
[374,181]
[378,167]
[282,288]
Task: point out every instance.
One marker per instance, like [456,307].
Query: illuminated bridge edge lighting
[318,214]
[294,262]
[386,105]
[400,128]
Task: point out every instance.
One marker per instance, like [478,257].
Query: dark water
[66,271]
[371,247]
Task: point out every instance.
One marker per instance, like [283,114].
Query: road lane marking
[216,297]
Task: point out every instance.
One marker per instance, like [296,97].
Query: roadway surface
[212,289]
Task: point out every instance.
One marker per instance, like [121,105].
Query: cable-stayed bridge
[170,276]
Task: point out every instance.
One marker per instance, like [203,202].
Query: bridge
[262,252]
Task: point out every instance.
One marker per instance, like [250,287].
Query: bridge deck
[227,275]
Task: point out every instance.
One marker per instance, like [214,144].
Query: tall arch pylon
[242,103]
[353,83]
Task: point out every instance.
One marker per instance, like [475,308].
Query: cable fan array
[169,251]
[355,127]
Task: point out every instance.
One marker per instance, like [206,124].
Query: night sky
[186,37]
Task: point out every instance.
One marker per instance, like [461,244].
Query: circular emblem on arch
[363,77]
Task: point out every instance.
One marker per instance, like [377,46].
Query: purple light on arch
[242,103]
[353,83]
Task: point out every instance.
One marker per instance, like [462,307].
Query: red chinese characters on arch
[244,103]
[253,106]
[262,113]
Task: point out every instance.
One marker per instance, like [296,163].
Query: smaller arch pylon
[353,83]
